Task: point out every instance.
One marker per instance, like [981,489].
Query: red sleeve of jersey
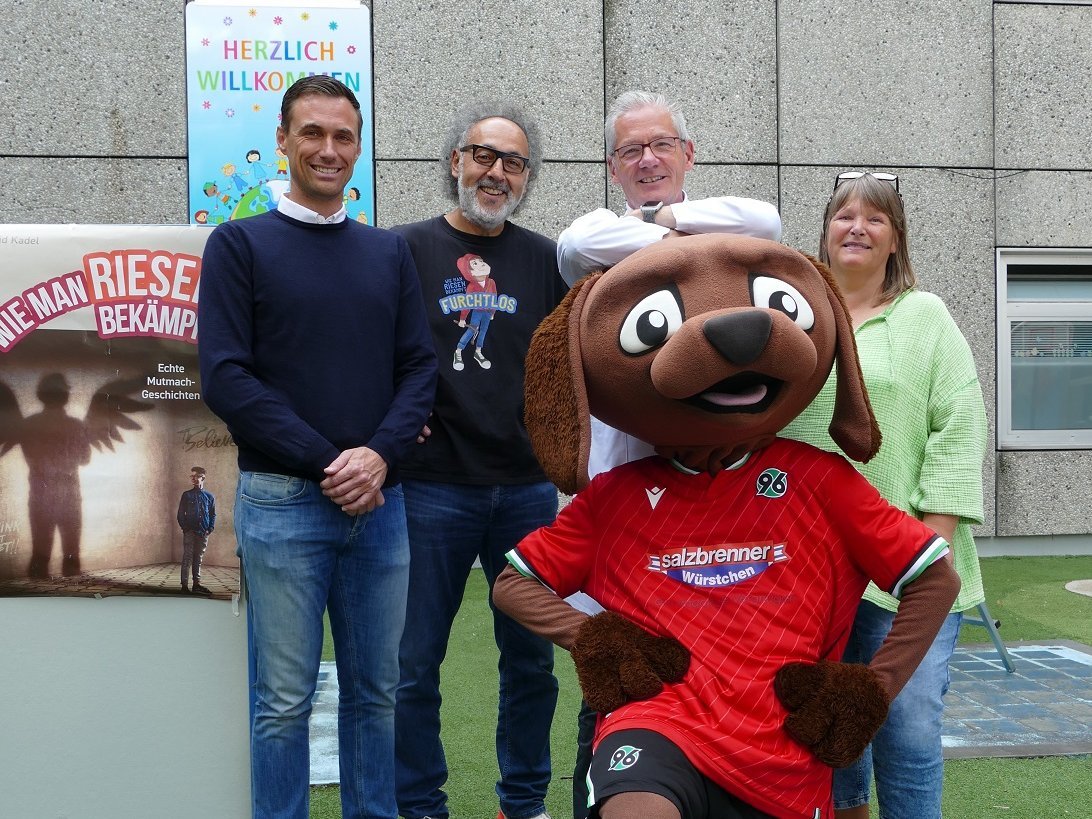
[561,554]
[888,545]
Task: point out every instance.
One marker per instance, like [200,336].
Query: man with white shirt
[649,152]
[315,351]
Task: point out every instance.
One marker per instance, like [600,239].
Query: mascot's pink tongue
[736,399]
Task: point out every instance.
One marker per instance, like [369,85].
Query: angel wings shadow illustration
[55,446]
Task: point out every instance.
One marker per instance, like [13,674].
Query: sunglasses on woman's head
[890,178]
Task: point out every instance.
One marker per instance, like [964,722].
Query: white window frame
[1007,437]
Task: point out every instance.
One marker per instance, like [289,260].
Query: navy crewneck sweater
[312,340]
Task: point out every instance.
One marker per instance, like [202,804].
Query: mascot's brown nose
[739,337]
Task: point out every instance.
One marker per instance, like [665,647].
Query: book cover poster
[239,62]
[113,472]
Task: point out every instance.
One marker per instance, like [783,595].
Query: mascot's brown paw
[834,708]
[618,662]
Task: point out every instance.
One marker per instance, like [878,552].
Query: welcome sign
[240,59]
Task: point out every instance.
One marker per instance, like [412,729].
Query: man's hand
[354,480]
[422,436]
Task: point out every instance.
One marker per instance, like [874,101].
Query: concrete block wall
[982,108]
[1043,198]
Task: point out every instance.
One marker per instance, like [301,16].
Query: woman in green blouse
[924,390]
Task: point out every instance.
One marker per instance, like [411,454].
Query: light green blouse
[925,393]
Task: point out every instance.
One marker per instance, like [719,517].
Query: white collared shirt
[302,214]
[603,238]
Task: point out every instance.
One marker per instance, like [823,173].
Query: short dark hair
[319,84]
[469,116]
[200,470]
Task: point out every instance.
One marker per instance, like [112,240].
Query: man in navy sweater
[315,351]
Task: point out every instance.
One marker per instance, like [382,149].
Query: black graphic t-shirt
[484,296]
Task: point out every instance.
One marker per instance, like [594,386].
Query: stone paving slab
[324,770]
[1044,708]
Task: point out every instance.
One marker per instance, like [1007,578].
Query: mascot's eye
[651,322]
[775,294]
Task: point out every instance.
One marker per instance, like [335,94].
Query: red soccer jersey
[762,565]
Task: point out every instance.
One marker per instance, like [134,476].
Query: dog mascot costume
[731,563]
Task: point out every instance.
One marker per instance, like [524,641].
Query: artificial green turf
[1026,594]
[468,684]
[1042,788]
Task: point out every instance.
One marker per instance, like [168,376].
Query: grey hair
[469,116]
[632,100]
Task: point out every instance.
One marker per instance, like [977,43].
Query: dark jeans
[449,526]
[193,549]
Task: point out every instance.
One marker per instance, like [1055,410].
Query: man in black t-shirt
[473,489]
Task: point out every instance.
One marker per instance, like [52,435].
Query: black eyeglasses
[486,156]
[890,178]
[663,147]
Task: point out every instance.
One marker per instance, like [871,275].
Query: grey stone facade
[983,109]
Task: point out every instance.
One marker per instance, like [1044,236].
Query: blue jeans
[302,555]
[906,752]
[476,329]
[450,525]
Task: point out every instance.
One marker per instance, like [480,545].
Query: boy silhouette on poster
[55,446]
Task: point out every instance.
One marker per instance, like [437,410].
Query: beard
[486,218]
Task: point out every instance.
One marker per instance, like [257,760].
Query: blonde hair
[867,189]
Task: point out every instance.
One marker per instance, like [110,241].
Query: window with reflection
[1045,349]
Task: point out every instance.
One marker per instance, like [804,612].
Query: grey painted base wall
[123,708]
[1040,546]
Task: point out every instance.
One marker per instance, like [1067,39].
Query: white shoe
[458,362]
[486,364]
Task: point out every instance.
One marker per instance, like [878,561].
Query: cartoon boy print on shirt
[473,295]
[481,292]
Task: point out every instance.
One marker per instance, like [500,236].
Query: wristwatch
[649,210]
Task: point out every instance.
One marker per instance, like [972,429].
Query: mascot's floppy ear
[555,398]
[853,426]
